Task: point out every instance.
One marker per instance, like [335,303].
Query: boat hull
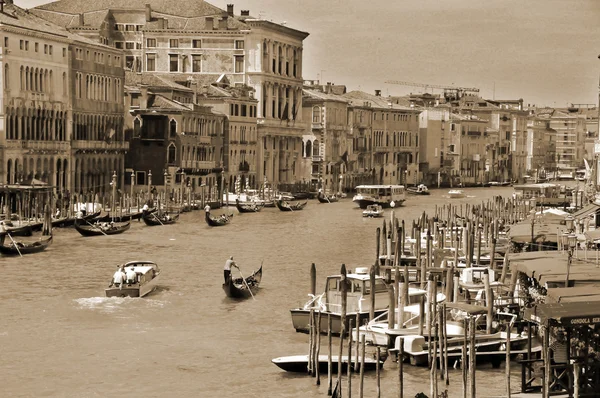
[135,290]
[299,363]
[364,202]
[301,317]
[235,288]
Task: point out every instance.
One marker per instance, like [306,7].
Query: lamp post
[532,212]
[182,175]
[114,192]
[149,182]
[570,224]
[165,176]
[132,184]
[571,242]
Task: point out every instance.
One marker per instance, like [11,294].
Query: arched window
[171,153]
[173,128]
[8,171]
[316,111]
[316,148]
[308,152]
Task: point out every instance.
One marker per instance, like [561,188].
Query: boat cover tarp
[546,230]
[554,268]
[566,314]
[585,211]
[468,308]
[573,294]
[592,235]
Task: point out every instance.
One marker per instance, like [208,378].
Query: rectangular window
[239,44]
[150,43]
[174,43]
[138,46]
[197,63]
[173,63]
[196,43]
[36,47]
[50,49]
[129,45]
[64,52]
[151,62]
[6,42]
[129,62]
[239,64]
[21,44]
[26,45]
[119,45]
[130,28]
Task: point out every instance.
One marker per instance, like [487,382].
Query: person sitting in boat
[118,278]
[145,208]
[167,217]
[131,276]
[227,269]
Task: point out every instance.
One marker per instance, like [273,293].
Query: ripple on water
[116,304]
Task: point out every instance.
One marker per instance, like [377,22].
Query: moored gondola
[248,207]
[152,219]
[243,287]
[17,248]
[323,198]
[123,218]
[218,221]
[86,228]
[286,206]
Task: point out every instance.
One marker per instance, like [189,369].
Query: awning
[592,235]
[586,211]
[573,294]
[565,314]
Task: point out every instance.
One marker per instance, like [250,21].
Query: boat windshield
[380,286]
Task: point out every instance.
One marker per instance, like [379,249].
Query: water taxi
[383,195]
[420,189]
[456,193]
[373,211]
[147,273]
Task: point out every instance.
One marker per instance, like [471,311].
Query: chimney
[81,20]
[148,13]
[223,22]
[230,10]
[162,23]
[210,23]
[378,93]
[143,97]
[245,13]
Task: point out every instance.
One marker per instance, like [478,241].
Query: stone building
[541,147]
[190,38]
[467,143]
[174,142]
[62,117]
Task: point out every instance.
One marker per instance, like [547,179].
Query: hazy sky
[544,51]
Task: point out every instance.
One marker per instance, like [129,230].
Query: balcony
[317,158]
[99,145]
[244,167]
[317,126]
[243,142]
[38,146]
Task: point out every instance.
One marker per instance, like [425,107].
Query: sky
[543,51]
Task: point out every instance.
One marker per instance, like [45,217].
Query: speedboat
[420,189]
[456,193]
[373,211]
[358,302]
[147,273]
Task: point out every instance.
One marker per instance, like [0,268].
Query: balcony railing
[95,145]
[38,145]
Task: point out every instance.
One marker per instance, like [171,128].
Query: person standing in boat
[131,276]
[227,269]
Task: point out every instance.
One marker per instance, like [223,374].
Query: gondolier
[227,269]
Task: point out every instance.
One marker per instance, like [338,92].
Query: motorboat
[373,211]
[147,273]
[358,302]
[384,195]
[456,193]
[420,189]
[299,363]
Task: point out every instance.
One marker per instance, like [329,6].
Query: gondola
[243,288]
[86,228]
[16,248]
[248,207]
[124,218]
[219,221]
[152,219]
[327,198]
[286,206]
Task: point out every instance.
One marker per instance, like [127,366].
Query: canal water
[60,337]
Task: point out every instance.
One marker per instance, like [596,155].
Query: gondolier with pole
[227,269]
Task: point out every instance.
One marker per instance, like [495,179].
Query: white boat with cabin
[147,273]
[330,302]
[456,193]
[373,211]
[383,195]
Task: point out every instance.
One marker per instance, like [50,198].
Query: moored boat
[329,302]
[147,273]
[86,228]
[373,211]
[299,363]
[18,248]
[243,287]
[324,198]
[284,205]
[384,195]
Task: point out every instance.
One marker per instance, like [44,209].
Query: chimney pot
[81,20]
[245,13]
[148,13]
[378,93]
[230,10]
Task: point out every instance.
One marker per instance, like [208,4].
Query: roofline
[275,26]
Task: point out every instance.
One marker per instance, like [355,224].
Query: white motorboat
[147,273]
[373,211]
[456,193]
[330,302]
[420,189]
